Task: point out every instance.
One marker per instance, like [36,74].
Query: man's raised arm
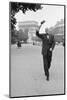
[41,24]
[37,31]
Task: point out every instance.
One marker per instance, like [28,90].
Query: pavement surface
[27,74]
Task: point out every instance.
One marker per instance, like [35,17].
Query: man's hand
[43,22]
[50,49]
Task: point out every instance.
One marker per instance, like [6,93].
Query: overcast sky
[50,13]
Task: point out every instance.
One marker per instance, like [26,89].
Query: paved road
[27,74]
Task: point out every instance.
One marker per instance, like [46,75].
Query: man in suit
[48,43]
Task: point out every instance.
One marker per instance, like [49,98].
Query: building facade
[58,31]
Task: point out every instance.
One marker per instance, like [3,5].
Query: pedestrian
[18,44]
[48,43]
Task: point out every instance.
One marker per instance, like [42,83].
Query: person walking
[18,44]
[48,43]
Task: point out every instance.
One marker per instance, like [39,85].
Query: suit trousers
[47,62]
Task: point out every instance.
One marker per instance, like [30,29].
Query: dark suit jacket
[47,43]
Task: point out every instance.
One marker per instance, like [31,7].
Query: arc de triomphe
[32,26]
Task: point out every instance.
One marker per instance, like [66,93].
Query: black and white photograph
[37,49]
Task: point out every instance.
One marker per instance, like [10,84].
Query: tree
[22,35]
[16,6]
[13,36]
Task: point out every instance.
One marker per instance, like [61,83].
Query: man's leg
[49,58]
[46,66]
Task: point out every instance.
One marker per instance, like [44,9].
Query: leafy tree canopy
[16,6]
